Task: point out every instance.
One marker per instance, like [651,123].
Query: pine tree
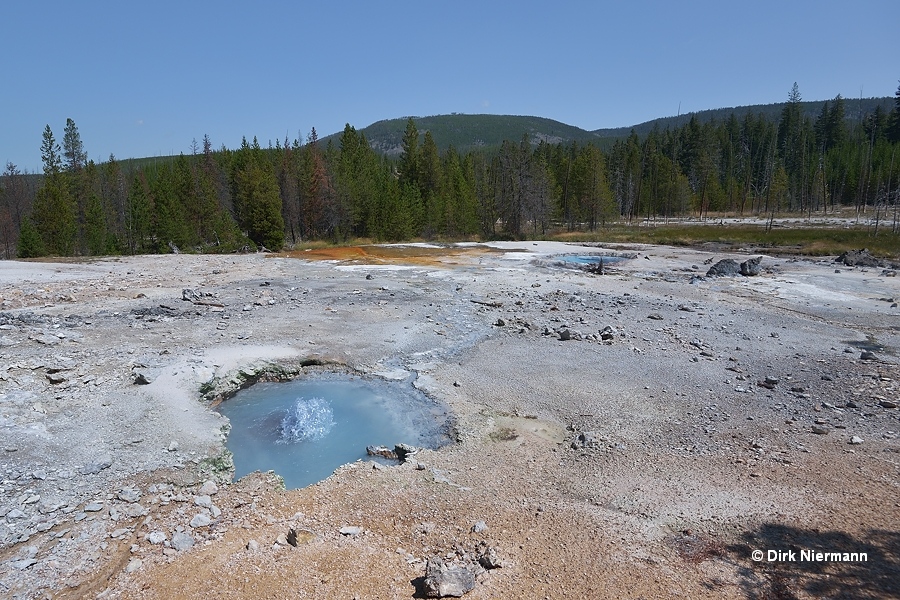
[73,150]
[95,233]
[30,244]
[138,220]
[257,197]
[54,212]
[409,158]
[169,223]
[894,130]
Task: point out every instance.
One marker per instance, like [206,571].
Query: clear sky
[145,78]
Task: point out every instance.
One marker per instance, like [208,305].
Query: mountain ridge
[486,131]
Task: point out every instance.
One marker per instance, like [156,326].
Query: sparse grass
[805,240]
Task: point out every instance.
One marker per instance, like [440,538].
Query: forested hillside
[300,190]
[854,109]
[472,132]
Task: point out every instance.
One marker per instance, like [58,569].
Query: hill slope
[855,108]
[467,132]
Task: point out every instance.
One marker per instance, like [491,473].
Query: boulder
[858,258]
[750,267]
[725,267]
[209,488]
[200,520]
[382,451]
[182,541]
[442,580]
[404,451]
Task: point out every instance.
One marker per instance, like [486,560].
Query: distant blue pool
[305,429]
[589,259]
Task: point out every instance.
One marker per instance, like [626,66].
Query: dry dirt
[689,458]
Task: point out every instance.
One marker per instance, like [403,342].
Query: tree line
[291,192]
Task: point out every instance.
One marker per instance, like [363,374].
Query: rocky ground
[636,434]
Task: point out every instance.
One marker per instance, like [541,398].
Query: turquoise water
[304,429]
[590,259]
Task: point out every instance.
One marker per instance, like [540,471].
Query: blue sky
[142,79]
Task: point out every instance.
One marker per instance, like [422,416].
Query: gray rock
[155,537]
[607,333]
[135,510]
[204,501]
[200,520]
[103,462]
[93,507]
[190,295]
[479,526]
[129,495]
[586,439]
[56,378]
[382,451]
[750,267]
[404,451]
[565,335]
[888,404]
[489,559]
[253,546]
[442,580]
[856,440]
[21,565]
[820,429]
[142,378]
[133,565]
[182,541]
[725,267]
[46,339]
[15,514]
[350,530]
[655,316]
[209,488]
[858,258]
[868,355]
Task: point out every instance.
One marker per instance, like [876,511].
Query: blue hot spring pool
[306,428]
[588,259]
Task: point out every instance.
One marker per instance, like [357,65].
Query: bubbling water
[306,428]
[307,419]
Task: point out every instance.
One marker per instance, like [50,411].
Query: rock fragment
[101,463]
[182,541]
[442,580]
[200,520]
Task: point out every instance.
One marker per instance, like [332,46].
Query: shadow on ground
[878,576]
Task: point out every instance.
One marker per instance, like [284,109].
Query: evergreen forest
[297,191]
